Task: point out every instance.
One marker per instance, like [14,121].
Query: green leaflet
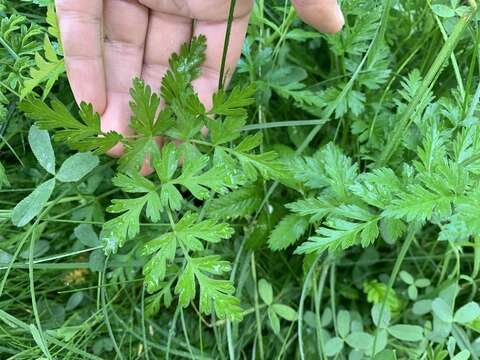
[47,71]
[33,204]
[238,203]
[314,208]
[234,104]
[351,225]
[41,146]
[287,232]
[76,167]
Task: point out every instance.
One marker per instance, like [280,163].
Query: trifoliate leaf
[41,146]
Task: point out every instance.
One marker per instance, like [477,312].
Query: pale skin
[107,43]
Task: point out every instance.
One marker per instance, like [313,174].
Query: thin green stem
[257,309]
[412,230]
[38,322]
[302,305]
[144,331]
[12,52]
[221,80]
[404,123]
[105,312]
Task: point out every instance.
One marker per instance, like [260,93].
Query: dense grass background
[397,88]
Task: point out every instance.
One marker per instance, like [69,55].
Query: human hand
[107,43]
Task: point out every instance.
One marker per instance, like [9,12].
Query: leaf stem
[226,43]
[12,52]
[406,119]
[257,308]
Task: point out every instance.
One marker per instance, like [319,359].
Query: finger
[81,32]
[126,24]
[214,31]
[166,34]
[324,15]
[211,10]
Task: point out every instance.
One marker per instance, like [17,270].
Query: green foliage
[73,169]
[287,232]
[330,211]
[47,71]
[82,135]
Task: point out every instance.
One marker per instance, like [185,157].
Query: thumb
[324,15]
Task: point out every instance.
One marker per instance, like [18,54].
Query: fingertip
[324,15]
[336,23]
[81,74]
[115,151]
[116,118]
